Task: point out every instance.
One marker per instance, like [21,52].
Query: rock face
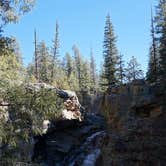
[72,143]
[137,126]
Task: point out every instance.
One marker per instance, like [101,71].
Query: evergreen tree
[151,74]
[30,77]
[70,70]
[42,66]
[102,80]
[78,64]
[82,68]
[121,70]
[44,62]
[55,52]
[109,53]
[36,72]
[11,10]
[161,36]
[69,65]
[93,72]
[153,56]
[133,70]
[14,46]
[6,45]
[11,68]
[85,77]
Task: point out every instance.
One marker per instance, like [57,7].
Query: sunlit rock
[46,124]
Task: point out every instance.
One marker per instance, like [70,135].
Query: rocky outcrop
[136,122]
[72,143]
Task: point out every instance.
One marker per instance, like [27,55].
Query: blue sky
[82,23]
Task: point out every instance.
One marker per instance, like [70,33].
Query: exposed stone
[91,158]
[72,143]
[136,122]
[46,124]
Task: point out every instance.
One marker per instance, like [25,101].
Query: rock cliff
[136,124]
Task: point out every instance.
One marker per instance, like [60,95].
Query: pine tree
[71,73]
[151,74]
[78,63]
[15,48]
[154,46]
[121,70]
[161,35]
[153,61]
[6,45]
[82,68]
[69,65]
[11,10]
[109,53]
[86,77]
[44,62]
[11,68]
[36,72]
[102,80]
[93,72]
[55,52]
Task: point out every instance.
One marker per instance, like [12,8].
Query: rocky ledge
[72,143]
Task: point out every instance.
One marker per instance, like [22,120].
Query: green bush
[27,109]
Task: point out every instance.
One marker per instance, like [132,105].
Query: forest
[23,110]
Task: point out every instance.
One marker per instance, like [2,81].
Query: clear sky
[82,23]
